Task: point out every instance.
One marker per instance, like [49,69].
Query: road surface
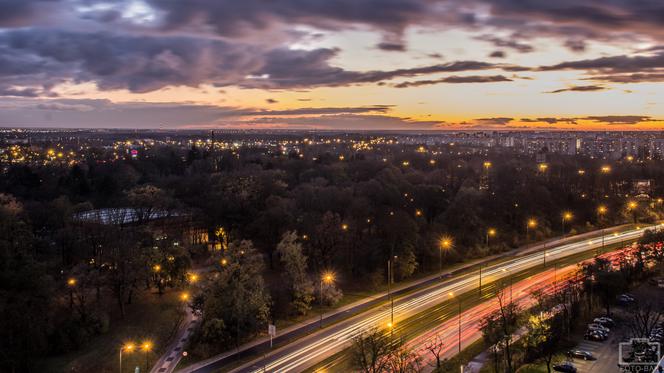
[313,348]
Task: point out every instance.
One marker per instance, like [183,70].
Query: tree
[543,337]
[148,201]
[371,350]
[643,319]
[435,346]
[498,329]
[295,275]
[403,359]
[236,303]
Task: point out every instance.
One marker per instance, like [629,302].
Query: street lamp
[601,211]
[565,217]
[129,348]
[451,294]
[71,283]
[531,223]
[446,243]
[327,278]
[631,206]
[491,232]
[146,347]
[184,296]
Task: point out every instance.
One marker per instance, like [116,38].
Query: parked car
[626,299]
[595,335]
[581,354]
[565,368]
[598,327]
[604,321]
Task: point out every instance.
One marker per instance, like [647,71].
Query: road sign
[272,330]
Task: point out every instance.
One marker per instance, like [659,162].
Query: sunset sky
[332,64]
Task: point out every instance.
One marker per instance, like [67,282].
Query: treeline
[298,215]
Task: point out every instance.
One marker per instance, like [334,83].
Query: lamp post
[327,278]
[490,233]
[565,217]
[631,206]
[146,347]
[71,283]
[531,223]
[128,347]
[445,244]
[601,210]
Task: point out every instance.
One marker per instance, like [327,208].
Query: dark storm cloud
[392,47]
[232,17]
[346,121]
[613,64]
[620,119]
[497,54]
[550,120]
[455,80]
[16,13]
[300,68]
[494,121]
[151,56]
[140,64]
[580,88]
[630,78]
[147,63]
[507,43]
[604,119]
[320,111]
[104,113]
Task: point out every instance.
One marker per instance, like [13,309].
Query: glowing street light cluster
[130,347]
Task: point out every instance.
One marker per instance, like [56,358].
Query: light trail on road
[309,350]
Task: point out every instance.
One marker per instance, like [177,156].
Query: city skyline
[341,65]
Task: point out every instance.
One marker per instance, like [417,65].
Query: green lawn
[150,318]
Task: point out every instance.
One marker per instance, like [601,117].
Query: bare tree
[435,346]
[644,318]
[403,359]
[371,351]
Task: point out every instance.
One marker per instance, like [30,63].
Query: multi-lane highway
[311,349]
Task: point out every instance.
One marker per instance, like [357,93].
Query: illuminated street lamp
[146,347]
[601,211]
[71,283]
[491,232]
[128,348]
[543,167]
[632,206]
[327,278]
[184,297]
[531,223]
[344,227]
[445,244]
[565,217]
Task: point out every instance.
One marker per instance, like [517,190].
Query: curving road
[311,349]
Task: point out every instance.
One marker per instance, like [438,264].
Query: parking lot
[606,354]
